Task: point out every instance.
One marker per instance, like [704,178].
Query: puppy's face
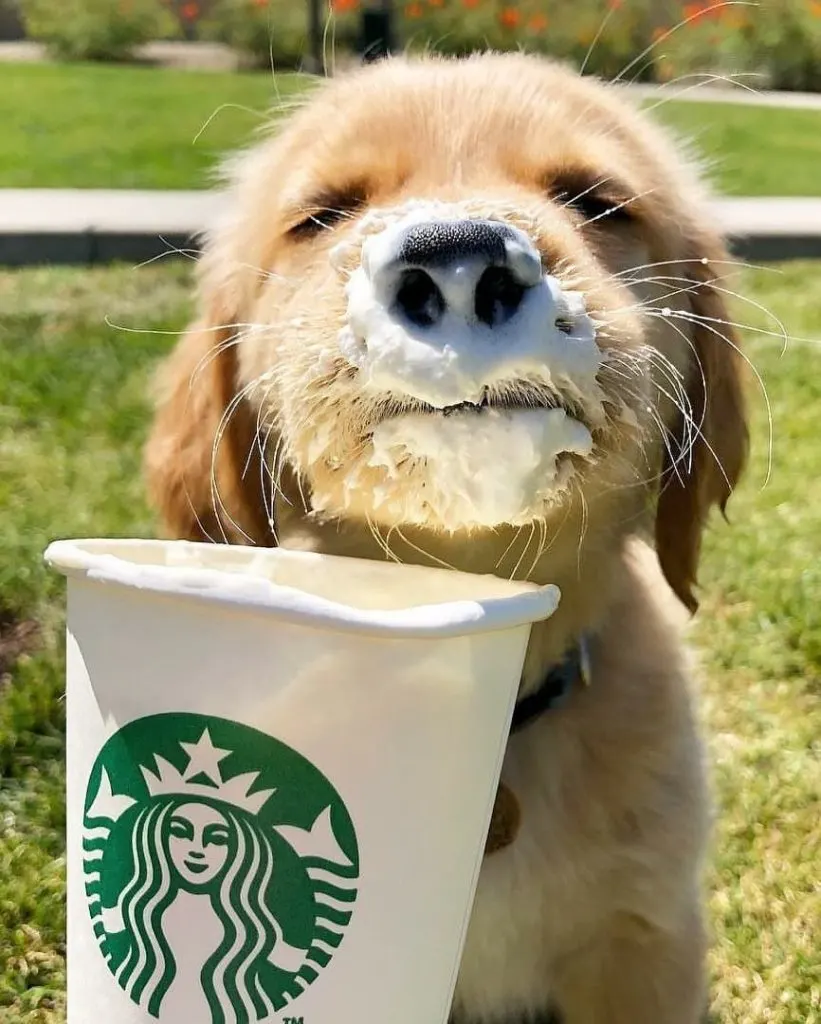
[470,295]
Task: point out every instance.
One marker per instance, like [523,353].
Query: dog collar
[553,690]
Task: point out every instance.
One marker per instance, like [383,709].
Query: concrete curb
[776,248]
[771,229]
[95,226]
[743,93]
[189,56]
[89,248]
[92,227]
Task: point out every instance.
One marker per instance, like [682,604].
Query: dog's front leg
[635,974]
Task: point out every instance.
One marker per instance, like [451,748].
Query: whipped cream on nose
[441,310]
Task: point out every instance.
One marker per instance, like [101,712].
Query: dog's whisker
[581,195]
[546,544]
[377,536]
[678,398]
[219,507]
[702,260]
[390,552]
[595,42]
[214,353]
[421,551]
[513,540]
[256,444]
[301,489]
[210,329]
[329,36]
[262,115]
[274,473]
[172,250]
[707,323]
[264,431]
[693,429]
[277,468]
[704,440]
[540,546]
[640,69]
[693,287]
[619,206]
[781,333]
[718,5]
[525,549]
[583,525]
[703,80]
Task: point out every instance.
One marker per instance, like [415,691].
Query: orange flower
[413,10]
[704,9]
[538,23]
[509,17]
[475,3]
[614,5]
[190,11]
[343,6]
[815,7]
[436,3]
[260,3]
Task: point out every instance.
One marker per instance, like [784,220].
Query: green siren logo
[220,868]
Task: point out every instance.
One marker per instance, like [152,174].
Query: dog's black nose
[478,269]
[439,243]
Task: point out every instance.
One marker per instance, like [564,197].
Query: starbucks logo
[220,868]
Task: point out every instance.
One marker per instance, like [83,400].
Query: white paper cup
[281,771]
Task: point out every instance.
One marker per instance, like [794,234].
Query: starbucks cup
[281,770]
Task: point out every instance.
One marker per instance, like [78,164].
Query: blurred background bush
[778,41]
[96,29]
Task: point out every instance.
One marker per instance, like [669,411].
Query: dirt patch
[17,637]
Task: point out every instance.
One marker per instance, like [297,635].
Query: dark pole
[377,30]
[315,36]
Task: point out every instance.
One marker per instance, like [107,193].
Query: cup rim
[506,604]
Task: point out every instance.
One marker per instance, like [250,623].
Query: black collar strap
[555,687]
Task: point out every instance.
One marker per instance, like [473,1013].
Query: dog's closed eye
[325,210]
[594,199]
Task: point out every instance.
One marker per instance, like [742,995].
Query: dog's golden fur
[595,908]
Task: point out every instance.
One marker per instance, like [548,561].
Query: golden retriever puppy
[469,313]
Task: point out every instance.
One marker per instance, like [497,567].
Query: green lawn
[90,126]
[72,419]
[72,411]
[110,126]
[753,151]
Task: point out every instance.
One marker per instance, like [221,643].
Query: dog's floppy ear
[693,481]
[202,459]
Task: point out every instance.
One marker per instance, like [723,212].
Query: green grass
[760,630]
[110,126]
[72,413]
[753,151]
[73,417]
[91,126]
